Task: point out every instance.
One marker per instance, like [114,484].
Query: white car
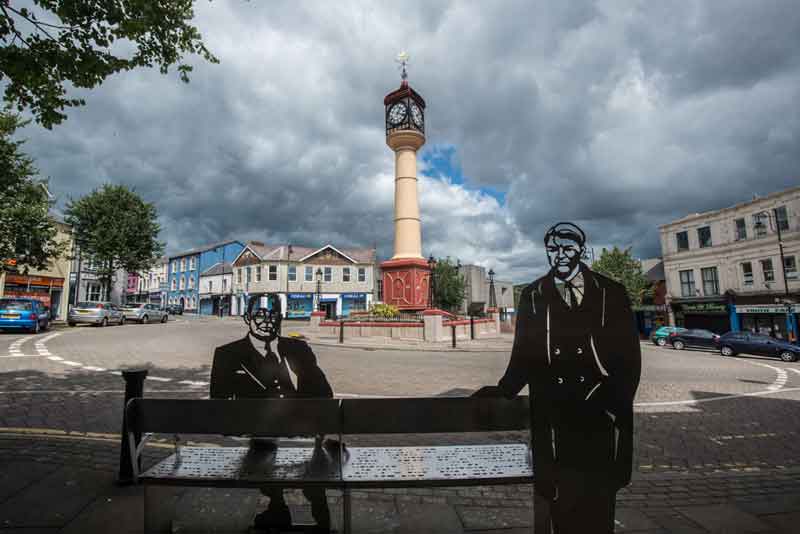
[144,313]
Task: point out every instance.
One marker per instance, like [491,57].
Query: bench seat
[454,465]
[243,467]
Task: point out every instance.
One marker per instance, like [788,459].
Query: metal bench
[300,467]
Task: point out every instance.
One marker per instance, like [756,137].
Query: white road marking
[92,368]
[780,381]
[55,358]
[159,379]
[74,364]
[118,373]
[193,382]
[19,355]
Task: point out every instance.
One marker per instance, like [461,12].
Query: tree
[621,266]
[59,43]
[448,285]
[27,230]
[115,229]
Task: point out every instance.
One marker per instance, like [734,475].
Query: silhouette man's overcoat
[583,365]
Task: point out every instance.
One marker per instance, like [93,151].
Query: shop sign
[356,296]
[767,308]
[44,298]
[41,281]
[300,295]
[651,307]
[703,307]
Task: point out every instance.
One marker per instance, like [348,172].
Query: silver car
[97,313]
[144,313]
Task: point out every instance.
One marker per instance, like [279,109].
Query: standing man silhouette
[578,351]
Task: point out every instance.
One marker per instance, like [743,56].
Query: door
[329,308]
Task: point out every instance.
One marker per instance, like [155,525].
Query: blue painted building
[185,269]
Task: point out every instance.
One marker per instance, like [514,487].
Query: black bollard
[454,335]
[471,327]
[134,387]
[341,331]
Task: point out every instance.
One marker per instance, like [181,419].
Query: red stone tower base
[406,283]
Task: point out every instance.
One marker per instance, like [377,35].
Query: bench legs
[346,511]
[159,507]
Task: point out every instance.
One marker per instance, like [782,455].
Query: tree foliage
[620,265]
[27,230]
[60,43]
[115,229]
[448,285]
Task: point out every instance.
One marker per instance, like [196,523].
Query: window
[182,284]
[249,274]
[273,272]
[741,230]
[747,273]
[210,286]
[258,274]
[293,273]
[309,274]
[94,292]
[239,275]
[766,268]
[710,281]
[224,284]
[782,218]
[183,264]
[328,274]
[175,266]
[191,263]
[173,284]
[362,274]
[683,240]
[687,283]
[191,282]
[345,274]
[790,267]
[760,224]
[704,236]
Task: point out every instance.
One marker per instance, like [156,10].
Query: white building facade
[337,281]
[724,271]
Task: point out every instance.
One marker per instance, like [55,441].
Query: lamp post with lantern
[431,283]
[772,217]
[319,288]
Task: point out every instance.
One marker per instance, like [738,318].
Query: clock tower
[406,276]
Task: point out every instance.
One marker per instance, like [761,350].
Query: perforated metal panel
[447,465]
[220,464]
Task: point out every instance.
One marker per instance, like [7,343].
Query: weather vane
[402,58]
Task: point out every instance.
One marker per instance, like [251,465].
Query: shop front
[299,305]
[353,302]
[709,315]
[775,320]
[45,289]
[650,317]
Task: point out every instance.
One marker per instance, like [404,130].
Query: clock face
[397,113]
[416,115]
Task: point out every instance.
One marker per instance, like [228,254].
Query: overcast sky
[619,116]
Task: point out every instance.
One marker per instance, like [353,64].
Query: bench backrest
[256,417]
[434,415]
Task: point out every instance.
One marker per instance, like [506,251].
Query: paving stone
[425,518]
[477,518]
[370,517]
[55,499]
[216,510]
[675,523]
[632,520]
[785,523]
[724,519]
[125,512]
[14,476]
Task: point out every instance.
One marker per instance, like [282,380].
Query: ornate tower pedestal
[406,277]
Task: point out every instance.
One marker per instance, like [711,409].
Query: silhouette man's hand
[488,392]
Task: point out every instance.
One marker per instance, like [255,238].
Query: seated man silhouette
[249,368]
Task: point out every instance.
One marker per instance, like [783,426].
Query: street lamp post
[492,295]
[319,288]
[759,225]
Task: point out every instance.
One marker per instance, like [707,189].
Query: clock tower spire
[407,275]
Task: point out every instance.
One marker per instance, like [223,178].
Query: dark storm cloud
[620,116]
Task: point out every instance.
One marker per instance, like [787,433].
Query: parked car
[144,313]
[694,338]
[175,309]
[24,314]
[734,343]
[660,335]
[97,313]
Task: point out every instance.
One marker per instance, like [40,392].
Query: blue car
[23,314]
[734,343]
